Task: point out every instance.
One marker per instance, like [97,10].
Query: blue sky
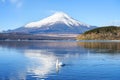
[16,13]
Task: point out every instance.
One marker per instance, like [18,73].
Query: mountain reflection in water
[41,63]
[32,60]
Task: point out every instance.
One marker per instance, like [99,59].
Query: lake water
[36,60]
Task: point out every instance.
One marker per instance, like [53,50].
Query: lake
[36,60]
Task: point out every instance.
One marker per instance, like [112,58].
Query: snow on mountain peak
[58,17]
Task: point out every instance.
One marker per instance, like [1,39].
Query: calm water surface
[36,60]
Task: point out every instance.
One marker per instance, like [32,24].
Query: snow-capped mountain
[56,23]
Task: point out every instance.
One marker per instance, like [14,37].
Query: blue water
[36,60]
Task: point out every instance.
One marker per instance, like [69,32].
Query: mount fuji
[58,23]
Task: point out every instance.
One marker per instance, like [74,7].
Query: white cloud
[3,1]
[17,3]
[14,1]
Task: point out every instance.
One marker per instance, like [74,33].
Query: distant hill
[102,33]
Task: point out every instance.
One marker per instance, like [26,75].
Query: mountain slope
[57,23]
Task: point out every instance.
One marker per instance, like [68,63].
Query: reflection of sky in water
[35,63]
[85,61]
[12,65]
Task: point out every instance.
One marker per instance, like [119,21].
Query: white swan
[59,64]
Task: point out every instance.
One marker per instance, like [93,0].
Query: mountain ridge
[57,23]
